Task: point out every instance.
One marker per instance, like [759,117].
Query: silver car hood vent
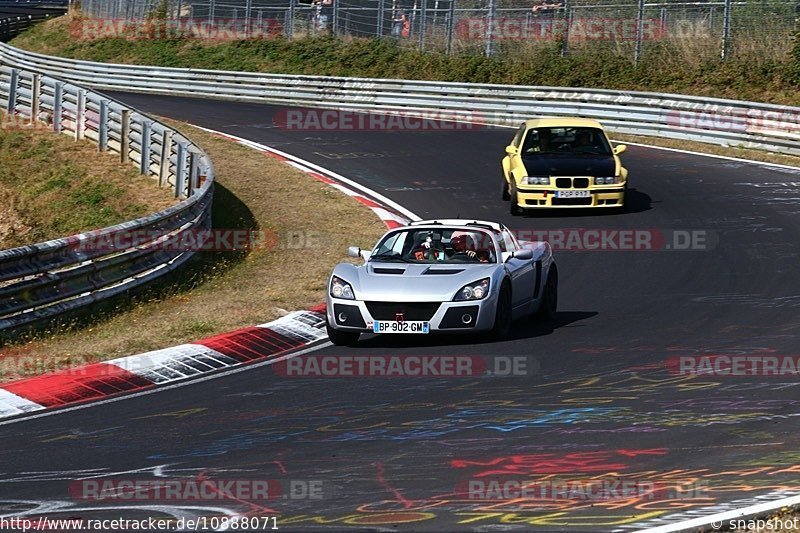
[385,270]
[443,271]
[428,271]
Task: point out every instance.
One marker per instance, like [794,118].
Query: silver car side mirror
[525,254]
[353,251]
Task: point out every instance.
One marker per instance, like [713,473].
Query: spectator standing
[399,22]
[316,13]
[326,15]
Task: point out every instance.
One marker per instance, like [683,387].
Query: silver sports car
[437,276]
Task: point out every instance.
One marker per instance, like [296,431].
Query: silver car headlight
[536,180]
[474,291]
[609,180]
[341,289]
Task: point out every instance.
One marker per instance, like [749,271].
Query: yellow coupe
[563,162]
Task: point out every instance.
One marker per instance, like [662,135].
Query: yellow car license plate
[573,194]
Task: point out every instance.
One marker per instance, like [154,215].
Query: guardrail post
[36,93]
[102,126]
[80,115]
[726,29]
[193,172]
[166,153]
[180,169]
[13,85]
[144,149]
[211,8]
[58,104]
[204,174]
[639,32]
[125,135]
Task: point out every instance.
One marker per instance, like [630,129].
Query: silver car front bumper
[442,317]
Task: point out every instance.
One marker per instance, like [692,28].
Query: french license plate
[388,326]
[573,194]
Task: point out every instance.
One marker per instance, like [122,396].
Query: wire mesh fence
[725,28]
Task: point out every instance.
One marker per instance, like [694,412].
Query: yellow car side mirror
[619,149]
[512,150]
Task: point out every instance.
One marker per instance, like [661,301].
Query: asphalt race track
[598,401]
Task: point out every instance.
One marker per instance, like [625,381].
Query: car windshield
[438,245]
[571,140]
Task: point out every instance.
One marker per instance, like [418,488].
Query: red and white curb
[138,372]
[241,347]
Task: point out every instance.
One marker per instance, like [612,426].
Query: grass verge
[312,225]
[52,186]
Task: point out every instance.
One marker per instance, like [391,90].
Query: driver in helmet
[465,244]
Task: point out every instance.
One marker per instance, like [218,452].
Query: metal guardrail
[15,20]
[43,280]
[722,122]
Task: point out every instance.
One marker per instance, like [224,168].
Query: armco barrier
[43,280]
[724,122]
[19,16]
